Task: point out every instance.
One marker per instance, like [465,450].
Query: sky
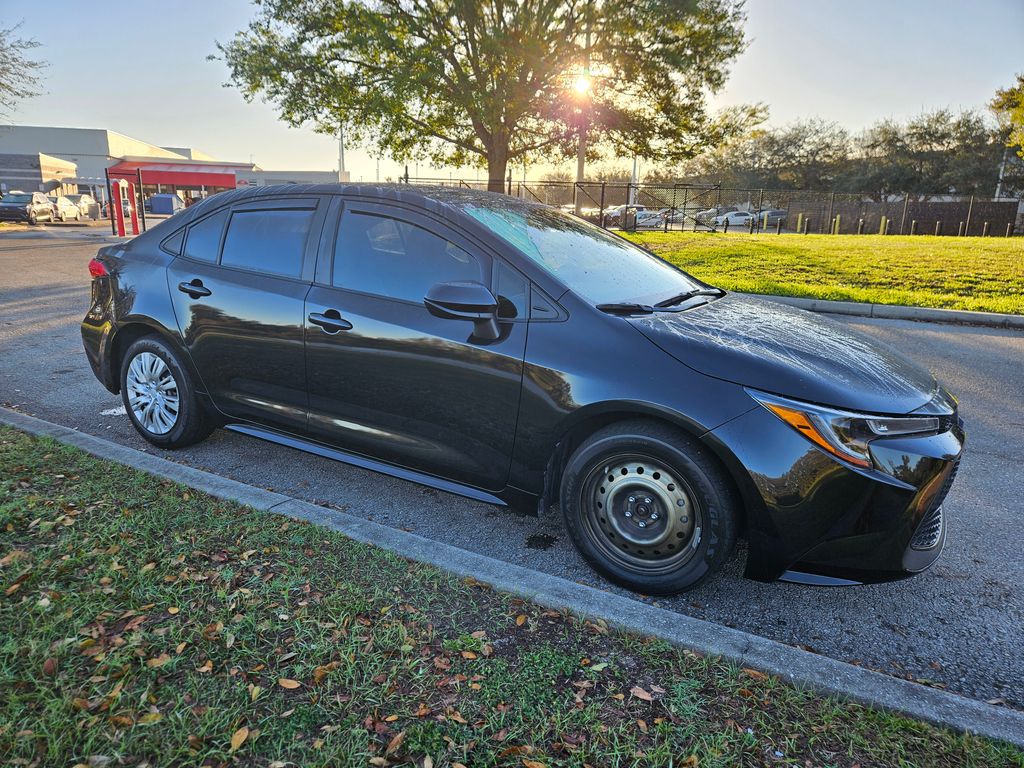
[850,61]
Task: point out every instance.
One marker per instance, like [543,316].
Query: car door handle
[331,321]
[195,289]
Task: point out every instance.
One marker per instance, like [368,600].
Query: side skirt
[361,461]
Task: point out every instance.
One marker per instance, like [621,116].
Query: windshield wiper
[626,308]
[679,298]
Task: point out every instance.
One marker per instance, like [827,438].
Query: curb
[900,312]
[801,668]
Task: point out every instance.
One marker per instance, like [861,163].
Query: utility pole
[341,154]
[584,91]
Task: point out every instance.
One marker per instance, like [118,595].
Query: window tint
[204,238]
[173,243]
[513,292]
[267,241]
[389,257]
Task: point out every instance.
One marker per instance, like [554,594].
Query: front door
[238,290]
[389,380]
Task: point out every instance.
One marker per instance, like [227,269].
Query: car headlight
[844,434]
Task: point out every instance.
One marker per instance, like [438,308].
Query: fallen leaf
[50,667]
[468,655]
[395,743]
[238,738]
[640,693]
[755,673]
[158,661]
[599,666]
[151,717]
[520,619]
[288,683]
[533,764]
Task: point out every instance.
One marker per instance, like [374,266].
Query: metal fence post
[938,227]
[110,204]
[984,230]
[1009,229]
[142,199]
[760,205]
[601,212]
[970,210]
[906,204]
[807,225]
[860,226]
[831,206]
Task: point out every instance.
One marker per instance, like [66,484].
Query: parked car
[126,207]
[63,208]
[518,355]
[25,206]
[651,218]
[708,215]
[86,204]
[771,216]
[734,219]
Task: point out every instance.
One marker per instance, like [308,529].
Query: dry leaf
[288,683]
[640,693]
[533,764]
[755,673]
[238,738]
[158,661]
[395,743]
[520,619]
[50,667]
[468,655]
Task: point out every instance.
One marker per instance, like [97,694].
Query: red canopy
[179,174]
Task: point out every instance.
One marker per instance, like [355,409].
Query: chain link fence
[713,208]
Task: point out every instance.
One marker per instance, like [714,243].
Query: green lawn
[982,274]
[144,623]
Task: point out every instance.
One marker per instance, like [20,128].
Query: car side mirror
[465,300]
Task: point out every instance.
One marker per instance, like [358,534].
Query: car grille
[930,530]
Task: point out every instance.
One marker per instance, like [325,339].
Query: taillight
[96,268]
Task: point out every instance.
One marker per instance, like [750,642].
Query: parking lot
[959,625]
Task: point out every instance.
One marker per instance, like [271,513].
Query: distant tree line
[938,152]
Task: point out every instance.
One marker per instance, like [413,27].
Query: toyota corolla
[512,353]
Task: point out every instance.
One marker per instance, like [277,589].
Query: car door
[238,290]
[389,380]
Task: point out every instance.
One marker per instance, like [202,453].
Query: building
[37,172]
[97,152]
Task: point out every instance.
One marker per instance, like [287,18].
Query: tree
[492,81]
[19,75]
[935,152]
[1009,108]
[806,154]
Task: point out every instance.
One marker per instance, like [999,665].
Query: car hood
[777,348]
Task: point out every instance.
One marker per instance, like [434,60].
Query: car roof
[443,200]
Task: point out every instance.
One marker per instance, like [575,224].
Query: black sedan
[515,354]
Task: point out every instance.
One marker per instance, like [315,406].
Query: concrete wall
[36,173]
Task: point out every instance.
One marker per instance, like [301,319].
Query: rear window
[268,241]
[203,238]
[16,199]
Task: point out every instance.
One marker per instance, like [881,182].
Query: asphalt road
[960,625]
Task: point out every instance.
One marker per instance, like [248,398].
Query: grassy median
[981,274]
[146,623]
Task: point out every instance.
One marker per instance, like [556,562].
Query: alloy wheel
[641,513]
[152,393]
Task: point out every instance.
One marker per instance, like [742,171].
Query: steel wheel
[641,514]
[152,393]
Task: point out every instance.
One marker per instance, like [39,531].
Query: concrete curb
[900,312]
[801,668]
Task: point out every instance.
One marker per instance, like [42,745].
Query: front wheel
[649,507]
[159,396]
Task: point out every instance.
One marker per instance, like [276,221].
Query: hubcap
[641,513]
[152,393]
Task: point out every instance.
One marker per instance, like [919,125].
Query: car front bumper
[814,519]
[13,214]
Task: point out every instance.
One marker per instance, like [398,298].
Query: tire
[648,507]
[151,376]
[33,219]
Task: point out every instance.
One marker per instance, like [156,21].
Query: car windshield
[16,199]
[74,198]
[598,266]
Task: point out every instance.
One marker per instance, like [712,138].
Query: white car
[64,209]
[734,219]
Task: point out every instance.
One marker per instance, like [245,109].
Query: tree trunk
[497,165]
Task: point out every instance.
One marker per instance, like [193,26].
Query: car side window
[512,291]
[389,257]
[202,242]
[173,243]
[270,241]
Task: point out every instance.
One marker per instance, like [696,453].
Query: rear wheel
[649,507]
[159,396]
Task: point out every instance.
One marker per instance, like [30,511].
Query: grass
[148,624]
[973,273]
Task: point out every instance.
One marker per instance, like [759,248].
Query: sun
[582,85]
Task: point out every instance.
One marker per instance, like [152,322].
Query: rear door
[238,290]
[393,382]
